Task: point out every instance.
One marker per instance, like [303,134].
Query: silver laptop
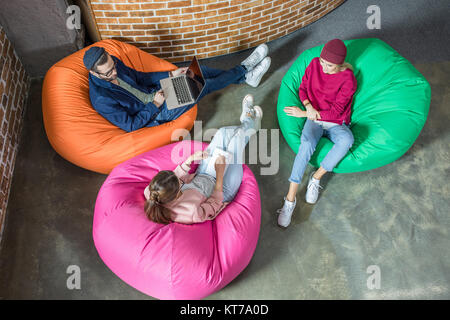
[184,89]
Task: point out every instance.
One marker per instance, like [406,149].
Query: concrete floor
[395,217]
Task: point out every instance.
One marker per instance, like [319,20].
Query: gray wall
[37,29]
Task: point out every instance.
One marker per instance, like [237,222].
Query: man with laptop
[131,99]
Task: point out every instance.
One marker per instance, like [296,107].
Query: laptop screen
[195,78]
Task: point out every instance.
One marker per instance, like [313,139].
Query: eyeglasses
[109,73]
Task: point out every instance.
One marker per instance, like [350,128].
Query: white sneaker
[256,113]
[284,219]
[254,77]
[255,57]
[312,192]
[247,106]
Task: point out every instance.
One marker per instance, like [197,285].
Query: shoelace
[248,106]
[252,59]
[259,68]
[315,187]
[280,210]
[257,71]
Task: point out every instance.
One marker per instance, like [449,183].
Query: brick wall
[14,87]
[177,30]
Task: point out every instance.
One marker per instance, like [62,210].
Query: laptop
[184,89]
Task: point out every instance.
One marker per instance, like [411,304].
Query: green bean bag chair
[389,107]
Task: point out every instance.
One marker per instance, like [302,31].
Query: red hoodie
[330,94]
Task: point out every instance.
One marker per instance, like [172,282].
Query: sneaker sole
[281,226]
[266,50]
[258,111]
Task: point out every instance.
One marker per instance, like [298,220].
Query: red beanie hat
[334,51]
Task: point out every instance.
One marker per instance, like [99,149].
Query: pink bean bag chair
[174,261]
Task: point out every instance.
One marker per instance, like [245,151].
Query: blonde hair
[347,66]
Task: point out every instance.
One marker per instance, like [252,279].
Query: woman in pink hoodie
[178,196]
[326,91]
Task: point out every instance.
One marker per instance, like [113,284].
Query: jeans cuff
[328,169]
[294,180]
[244,72]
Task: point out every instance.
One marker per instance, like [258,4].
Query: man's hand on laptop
[159,98]
[177,72]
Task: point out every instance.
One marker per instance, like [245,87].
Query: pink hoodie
[192,206]
[330,94]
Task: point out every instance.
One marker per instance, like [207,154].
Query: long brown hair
[163,188]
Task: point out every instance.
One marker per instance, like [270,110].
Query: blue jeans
[214,80]
[340,135]
[232,139]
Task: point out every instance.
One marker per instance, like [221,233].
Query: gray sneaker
[254,77]
[256,57]
[285,213]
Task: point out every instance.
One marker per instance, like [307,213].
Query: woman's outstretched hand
[197,156]
[295,112]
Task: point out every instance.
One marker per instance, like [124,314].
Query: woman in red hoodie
[326,91]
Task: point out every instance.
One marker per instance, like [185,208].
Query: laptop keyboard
[181,90]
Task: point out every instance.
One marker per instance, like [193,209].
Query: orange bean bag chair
[82,136]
